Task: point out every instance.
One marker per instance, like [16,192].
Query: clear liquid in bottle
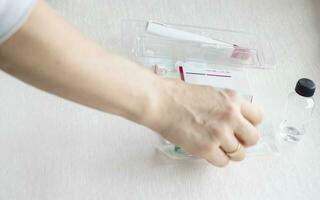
[298,111]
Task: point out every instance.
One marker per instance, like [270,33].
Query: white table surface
[54,149]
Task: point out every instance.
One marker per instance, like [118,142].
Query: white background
[54,149]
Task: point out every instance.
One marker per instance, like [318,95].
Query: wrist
[158,105]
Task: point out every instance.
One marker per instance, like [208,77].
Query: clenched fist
[205,121]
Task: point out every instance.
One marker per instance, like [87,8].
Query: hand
[205,121]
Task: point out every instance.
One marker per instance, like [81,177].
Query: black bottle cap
[305,87]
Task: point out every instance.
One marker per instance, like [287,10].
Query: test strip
[206,74]
[166,31]
[176,34]
[233,79]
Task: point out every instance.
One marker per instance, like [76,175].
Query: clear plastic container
[160,46]
[167,43]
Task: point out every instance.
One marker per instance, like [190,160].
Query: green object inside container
[178,149]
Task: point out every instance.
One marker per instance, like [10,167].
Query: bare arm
[50,54]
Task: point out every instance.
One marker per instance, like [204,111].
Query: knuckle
[229,113]
[219,133]
[231,93]
[205,148]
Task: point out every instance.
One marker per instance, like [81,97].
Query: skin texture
[51,55]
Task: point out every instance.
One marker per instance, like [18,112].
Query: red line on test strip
[181,73]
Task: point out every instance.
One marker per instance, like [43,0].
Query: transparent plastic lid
[153,41]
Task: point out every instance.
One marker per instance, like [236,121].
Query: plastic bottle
[298,111]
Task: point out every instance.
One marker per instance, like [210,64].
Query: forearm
[51,55]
